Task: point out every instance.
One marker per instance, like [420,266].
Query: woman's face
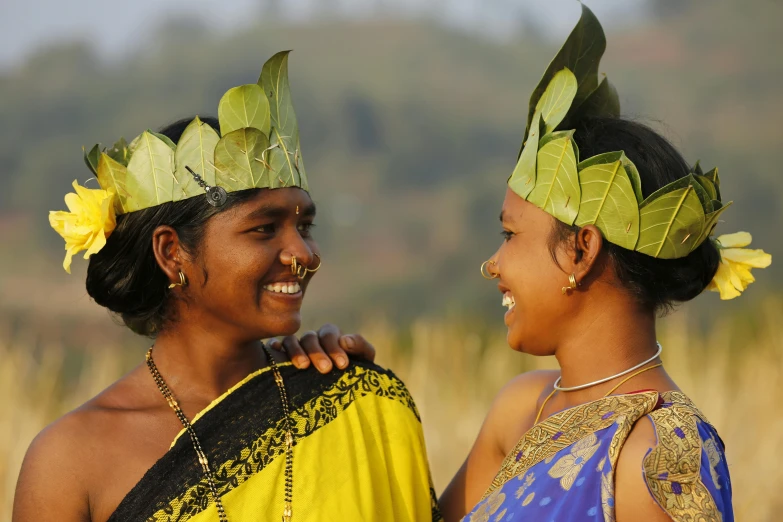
[529,279]
[242,280]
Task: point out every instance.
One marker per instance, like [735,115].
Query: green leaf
[241,159]
[684,182]
[557,98]
[711,221]
[244,106]
[91,158]
[286,157]
[196,149]
[546,138]
[165,139]
[670,224]
[603,102]
[630,169]
[709,188]
[119,152]
[150,179]
[713,176]
[581,54]
[523,179]
[112,174]
[557,181]
[697,169]
[608,201]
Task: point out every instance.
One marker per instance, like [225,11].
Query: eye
[266,229]
[507,235]
[305,229]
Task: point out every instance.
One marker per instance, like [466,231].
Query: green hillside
[409,131]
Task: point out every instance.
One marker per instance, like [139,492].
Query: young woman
[203,243]
[605,227]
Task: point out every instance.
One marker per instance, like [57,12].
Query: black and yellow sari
[359,454]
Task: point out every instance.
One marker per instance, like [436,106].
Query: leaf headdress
[258,147]
[606,190]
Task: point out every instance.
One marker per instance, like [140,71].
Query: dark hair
[657,284]
[124,276]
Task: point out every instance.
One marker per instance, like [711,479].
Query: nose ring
[301,271]
[485,273]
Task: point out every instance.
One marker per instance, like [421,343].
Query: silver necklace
[607,379]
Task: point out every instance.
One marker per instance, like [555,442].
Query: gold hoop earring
[485,273]
[183,281]
[572,284]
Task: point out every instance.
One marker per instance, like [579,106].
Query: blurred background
[411,113]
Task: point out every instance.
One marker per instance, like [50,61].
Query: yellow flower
[733,275]
[88,223]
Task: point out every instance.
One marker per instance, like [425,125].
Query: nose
[297,251]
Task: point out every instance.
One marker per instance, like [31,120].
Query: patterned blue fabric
[576,483]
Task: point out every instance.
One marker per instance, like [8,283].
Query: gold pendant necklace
[202,458]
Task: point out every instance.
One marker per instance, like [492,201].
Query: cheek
[530,273]
[236,269]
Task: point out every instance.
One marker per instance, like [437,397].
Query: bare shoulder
[511,414]
[633,500]
[514,408]
[57,471]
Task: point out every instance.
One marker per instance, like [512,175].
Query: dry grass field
[453,369]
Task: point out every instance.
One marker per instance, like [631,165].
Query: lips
[284,287]
[508,297]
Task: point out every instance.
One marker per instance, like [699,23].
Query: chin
[286,326]
[519,342]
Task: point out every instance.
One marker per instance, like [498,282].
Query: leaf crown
[604,190]
[258,147]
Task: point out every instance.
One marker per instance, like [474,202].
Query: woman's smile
[285,291]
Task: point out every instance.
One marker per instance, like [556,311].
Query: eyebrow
[276,212]
[501,216]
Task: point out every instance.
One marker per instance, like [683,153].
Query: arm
[633,501]
[49,486]
[511,414]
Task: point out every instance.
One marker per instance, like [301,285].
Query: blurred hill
[409,131]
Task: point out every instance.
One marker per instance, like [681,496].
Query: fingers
[316,352]
[329,336]
[357,345]
[294,350]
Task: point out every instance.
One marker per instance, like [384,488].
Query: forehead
[270,203]
[517,211]
[513,206]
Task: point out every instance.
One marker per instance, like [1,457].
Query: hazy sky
[114,27]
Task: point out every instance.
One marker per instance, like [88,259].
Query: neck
[200,365]
[606,339]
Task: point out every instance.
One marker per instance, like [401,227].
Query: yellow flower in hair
[89,221]
[733,275]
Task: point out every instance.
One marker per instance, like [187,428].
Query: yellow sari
[359,454]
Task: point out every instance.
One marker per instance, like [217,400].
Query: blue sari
[562,469]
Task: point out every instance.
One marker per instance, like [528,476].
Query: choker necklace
[607,379]
[202,458]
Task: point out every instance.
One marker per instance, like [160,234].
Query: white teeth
[284,288]
[508,301]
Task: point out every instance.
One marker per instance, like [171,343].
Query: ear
[167,250]
[589,243]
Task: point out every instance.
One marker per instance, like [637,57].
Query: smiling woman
[605,226]
[201,240]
